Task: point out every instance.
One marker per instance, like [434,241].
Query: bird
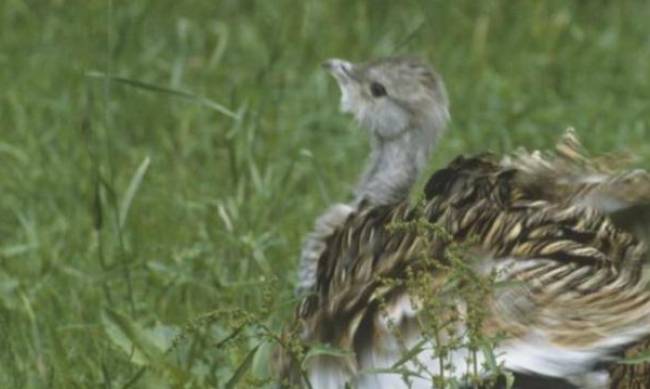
[542,254]
[403,127]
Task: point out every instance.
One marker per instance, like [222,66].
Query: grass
[161,161]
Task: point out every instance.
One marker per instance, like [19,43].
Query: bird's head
[393,95]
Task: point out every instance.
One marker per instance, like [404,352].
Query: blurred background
[161,161]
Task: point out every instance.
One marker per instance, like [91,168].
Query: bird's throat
[394,167]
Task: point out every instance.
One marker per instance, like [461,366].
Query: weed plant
[161,161]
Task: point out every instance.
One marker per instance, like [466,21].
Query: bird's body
[572,286]
[404,127]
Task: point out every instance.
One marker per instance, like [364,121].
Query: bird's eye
[377,89]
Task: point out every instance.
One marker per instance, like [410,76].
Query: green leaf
[241,370]
[410,354]
[488,353]
[260,367]
[637,359]
[401,371]
[131,338]
[144,348]
[323,349]
[162,335]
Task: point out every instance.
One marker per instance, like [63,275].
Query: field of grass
[161,160]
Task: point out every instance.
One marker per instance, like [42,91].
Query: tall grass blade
[131,191]
[161,89]
[242,369]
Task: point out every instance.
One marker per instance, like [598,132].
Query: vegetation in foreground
[160,161]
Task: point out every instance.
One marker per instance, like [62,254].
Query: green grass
[129,212]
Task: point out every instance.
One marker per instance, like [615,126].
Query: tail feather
[605,183]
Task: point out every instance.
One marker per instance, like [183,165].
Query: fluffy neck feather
[395,163]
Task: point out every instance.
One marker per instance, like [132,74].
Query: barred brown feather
[584,288]
[554,228]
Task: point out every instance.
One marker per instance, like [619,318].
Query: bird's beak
[342,70]
[344,73]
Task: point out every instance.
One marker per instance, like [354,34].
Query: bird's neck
[394,167]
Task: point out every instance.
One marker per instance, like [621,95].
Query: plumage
[573,283]
[404,123]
